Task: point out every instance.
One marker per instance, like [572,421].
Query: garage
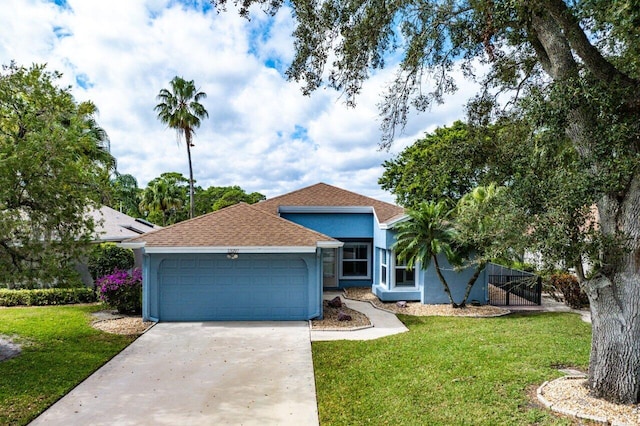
[254,287]
[236,264]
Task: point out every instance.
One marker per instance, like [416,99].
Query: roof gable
[239,225]
[323,195]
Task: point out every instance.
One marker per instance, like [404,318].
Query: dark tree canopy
[452,160]
[545,189]
[165,200]
[218,197]
[54,166]
[125,194]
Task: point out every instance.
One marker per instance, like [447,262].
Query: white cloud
[262,133]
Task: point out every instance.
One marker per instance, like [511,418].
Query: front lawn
[449,371]
[59,350]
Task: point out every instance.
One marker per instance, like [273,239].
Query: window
[404,277]
[383,267]
[356,258]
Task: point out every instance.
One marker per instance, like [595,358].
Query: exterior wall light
[232,254]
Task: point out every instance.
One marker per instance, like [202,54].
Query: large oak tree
[577,61]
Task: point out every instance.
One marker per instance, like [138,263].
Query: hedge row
[44,297]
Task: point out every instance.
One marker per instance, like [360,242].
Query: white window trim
[393,275]
[369,256]
[384,263]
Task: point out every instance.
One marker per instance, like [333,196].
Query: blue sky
[262,133]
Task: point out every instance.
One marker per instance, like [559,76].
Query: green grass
[449,371]
[59,350]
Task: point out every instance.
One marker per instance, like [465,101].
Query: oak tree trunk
[614,367]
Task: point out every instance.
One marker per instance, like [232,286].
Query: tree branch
[592,58]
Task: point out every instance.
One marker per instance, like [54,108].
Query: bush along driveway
[480,371]
[59,349]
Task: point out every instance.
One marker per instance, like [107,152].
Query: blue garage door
[242,289]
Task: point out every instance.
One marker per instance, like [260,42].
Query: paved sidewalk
[384,323]
[550,305]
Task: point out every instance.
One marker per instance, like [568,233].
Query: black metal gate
[512,287]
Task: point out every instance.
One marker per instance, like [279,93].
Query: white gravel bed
[121,324]
[570,396]
[418,309]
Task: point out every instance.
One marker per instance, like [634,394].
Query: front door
[329,268]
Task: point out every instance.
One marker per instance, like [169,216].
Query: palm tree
[162,197]
[426,234]
[180,109]
[94,139]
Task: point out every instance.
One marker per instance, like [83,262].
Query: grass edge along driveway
[449,371]
[59,350]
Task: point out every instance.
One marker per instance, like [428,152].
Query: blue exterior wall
[199,268]
[433,292]
[336,225]
[429,289]
[342,226]
[384,238]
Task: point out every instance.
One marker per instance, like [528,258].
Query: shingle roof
[325,195]
[240,225]
[112,225]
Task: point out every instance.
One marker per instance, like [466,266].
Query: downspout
[145,286]
[319,313]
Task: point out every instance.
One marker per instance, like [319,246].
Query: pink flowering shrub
[122,290]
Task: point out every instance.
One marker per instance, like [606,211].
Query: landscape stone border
[382,308]
[355,328]
[560,407]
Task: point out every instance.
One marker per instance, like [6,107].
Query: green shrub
[122,291]
[569,286]
[107,257]
[71,280]
[45,297]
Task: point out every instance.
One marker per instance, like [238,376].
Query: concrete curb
[347,329]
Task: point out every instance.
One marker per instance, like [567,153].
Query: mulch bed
[331,322]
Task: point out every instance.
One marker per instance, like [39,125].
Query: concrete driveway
[213,373]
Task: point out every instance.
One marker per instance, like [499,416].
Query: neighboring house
[114,226]
[271,260]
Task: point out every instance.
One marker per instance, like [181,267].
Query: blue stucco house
[272,260]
